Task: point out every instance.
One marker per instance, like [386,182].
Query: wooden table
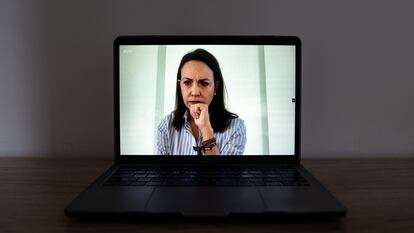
[378,194]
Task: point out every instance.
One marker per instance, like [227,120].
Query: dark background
[56,69]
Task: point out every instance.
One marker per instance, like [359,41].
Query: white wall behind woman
[56,69]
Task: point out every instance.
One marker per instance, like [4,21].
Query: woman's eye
[205,84]
[186,83]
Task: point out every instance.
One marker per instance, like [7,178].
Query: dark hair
[219,117]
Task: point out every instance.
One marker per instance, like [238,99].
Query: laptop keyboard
[206,176]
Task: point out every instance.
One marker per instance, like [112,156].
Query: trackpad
[205,201]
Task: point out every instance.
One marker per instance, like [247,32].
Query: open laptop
[260,175]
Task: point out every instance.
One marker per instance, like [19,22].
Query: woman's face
[197,83]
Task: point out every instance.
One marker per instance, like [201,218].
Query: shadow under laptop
[208,224]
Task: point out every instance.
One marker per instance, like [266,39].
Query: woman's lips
[194,102]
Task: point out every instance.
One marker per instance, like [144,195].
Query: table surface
[378,195]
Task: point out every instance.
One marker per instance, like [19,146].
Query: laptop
[175,155]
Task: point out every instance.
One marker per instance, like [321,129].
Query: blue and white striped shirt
[180,142]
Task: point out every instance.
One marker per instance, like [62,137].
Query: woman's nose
[195,90]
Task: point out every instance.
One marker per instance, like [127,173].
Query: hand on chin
[199,111]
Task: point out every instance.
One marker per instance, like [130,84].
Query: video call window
[260,89]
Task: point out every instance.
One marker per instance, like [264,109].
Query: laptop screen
[174,97]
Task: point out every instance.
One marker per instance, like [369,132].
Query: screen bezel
[208,40]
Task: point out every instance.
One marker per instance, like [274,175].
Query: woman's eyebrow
[208,78]
[201,79]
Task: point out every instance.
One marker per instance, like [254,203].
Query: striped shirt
[180,142]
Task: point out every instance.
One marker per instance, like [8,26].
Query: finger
[194,112]
[203,109]
[198,110]
[195,108]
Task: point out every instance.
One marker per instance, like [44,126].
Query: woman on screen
[200,123]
